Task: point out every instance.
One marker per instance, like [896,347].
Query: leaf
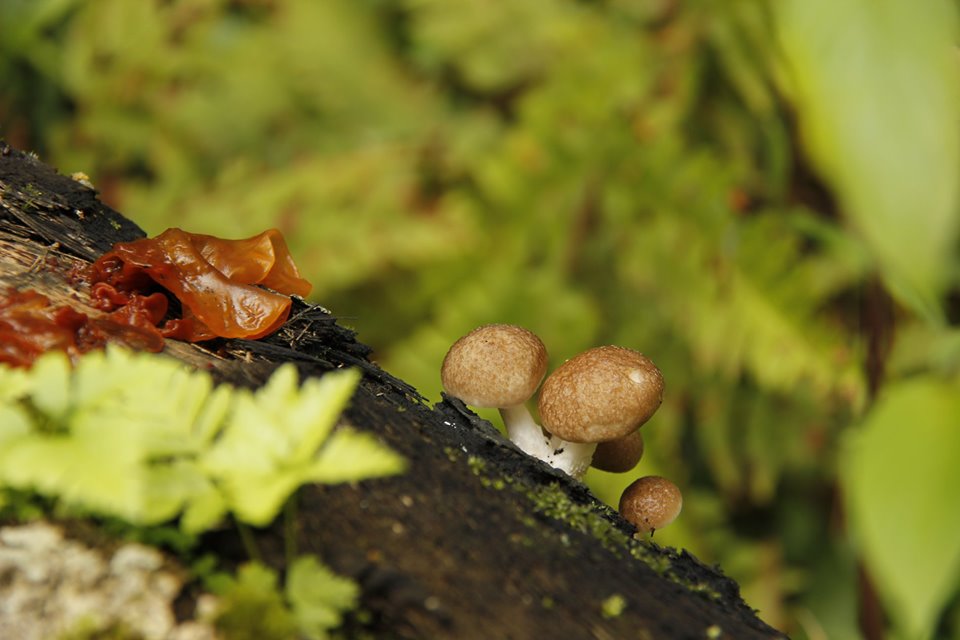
[212,414]
[50,386]
[318,596]
[143,438]
[322,402]
[900,477]
[249,444]
[268,447]
[13,423]
[877,93]
[180,486]
[14,382]
[99,475]
[257,499]
[251,607]
[755,302]
[350,456]
[204,510]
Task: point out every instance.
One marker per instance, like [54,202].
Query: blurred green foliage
[732,188]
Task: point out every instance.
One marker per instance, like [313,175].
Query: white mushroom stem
[573,458]
[524,431]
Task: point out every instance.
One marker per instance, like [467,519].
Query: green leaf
[181,486]
[14,422]
[268,447]
[877,94]
[318,596]
[252,608]
[204,510]
[349,456]
[900,477]
[257,499]
[14,383]
[50,387]
[161,396]
[94,429]
[143,438]
[321,403]
[249,444]
[97,474]
[212,415]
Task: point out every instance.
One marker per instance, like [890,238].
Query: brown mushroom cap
[496,365]
[651,503]
[602,394]
[620,455]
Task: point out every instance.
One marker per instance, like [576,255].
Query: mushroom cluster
[591,407]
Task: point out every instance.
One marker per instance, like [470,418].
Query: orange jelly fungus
[30,326]
[214,280]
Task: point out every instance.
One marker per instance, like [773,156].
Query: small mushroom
[620,455]
[602,394]
[500,366]
[650,503]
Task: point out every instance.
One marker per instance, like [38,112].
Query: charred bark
[475,540]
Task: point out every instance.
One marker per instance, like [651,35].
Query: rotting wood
[476,540]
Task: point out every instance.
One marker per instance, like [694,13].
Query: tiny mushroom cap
[620,455]
[602,394]
[651,503]
[496,365]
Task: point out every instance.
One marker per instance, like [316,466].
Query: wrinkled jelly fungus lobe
[30,326]
[219,285]
[214,280]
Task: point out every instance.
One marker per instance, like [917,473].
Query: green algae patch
[613,606]
[553,501]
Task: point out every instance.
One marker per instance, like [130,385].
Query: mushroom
[650,503]
[603,394]
[620,455]
[500,366]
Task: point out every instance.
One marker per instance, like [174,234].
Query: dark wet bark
[475,540]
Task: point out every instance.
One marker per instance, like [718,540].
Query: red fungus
[30,326]
[214,280]
[263,259]
[219,284]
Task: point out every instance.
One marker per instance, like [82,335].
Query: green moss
[477,465]
[701,587]
[498,484]
[656,561]
[613,606]
[32,190]
[551,501]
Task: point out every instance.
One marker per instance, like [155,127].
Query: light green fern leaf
[318,596]
[349,456]
[270,444]
[143,438]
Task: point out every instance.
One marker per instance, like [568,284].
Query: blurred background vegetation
[761,196]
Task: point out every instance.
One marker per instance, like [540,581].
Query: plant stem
[249,541]
[290,511]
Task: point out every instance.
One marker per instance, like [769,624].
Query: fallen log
[475,540]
